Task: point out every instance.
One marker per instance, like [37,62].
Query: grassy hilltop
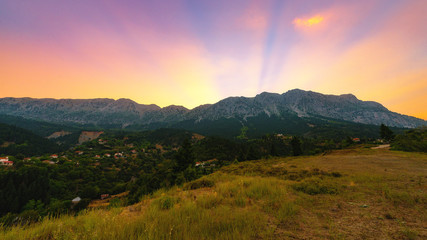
[347,194]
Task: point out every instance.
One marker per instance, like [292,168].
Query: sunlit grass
[364,194]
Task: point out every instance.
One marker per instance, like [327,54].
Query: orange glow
[190,57]
[308,22]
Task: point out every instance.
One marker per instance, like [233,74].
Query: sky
[193,52]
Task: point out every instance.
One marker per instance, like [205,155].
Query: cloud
[308,22]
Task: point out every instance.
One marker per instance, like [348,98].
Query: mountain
[294,105]
[307,104]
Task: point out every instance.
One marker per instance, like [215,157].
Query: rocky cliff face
[86,136]
[307,104]
[126,112]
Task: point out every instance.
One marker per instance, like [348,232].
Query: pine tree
[386,133]
[185,156]
[296,146]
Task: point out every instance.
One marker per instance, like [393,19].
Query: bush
[200,183]
[165,202]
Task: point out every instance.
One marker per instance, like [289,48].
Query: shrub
[165,202]
[200,183]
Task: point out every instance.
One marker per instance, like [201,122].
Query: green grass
[350,194]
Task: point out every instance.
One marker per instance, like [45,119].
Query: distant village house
[76,200]
[105,196]
[4,161]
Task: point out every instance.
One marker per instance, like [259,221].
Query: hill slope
[348,194]
[15,140]
[41,128]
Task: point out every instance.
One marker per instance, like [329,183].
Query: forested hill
[15,140]
[40,128]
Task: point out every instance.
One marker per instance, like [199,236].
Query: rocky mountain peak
[126,112]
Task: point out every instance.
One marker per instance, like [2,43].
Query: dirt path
[381,146]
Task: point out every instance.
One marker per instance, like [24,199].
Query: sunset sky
[192,52]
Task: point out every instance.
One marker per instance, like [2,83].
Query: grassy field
[349,194]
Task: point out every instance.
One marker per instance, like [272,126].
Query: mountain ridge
[124,112]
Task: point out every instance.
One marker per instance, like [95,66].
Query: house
[282,136]
[53,156]
[107,155]
[356,139]
[97,156]
[79,152]
[5,162]
[134,151]
[206,163]
[76,200]
[104,196]
[48,162]
[102,141]
[27,159]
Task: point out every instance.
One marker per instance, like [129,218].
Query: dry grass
[349,194]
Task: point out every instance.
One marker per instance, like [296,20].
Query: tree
[185,156]
[386,133]
[296,146]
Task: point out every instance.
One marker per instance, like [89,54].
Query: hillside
[15,140]
[348,194]
[41,128]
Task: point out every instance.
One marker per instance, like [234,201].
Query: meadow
[357,193]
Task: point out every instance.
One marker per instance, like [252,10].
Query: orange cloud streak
[308,22]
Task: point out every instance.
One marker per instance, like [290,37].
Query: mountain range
[293,109]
